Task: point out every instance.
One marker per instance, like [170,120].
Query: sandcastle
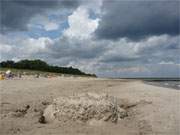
[84,107]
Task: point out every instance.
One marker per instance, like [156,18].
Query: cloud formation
[80,25]
[138,19]
[111,39]
[15,14]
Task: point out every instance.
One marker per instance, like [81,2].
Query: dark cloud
[138,19]
[112,59]
[15,14]
[76,49]
[156,57]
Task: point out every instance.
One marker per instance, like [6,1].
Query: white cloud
[43,22]
[32,45]
[51,26]
[24,48]
[5,48]
[80,25]
[169,63]
[164,62]
[153,42]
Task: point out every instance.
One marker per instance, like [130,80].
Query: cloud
[86,36]
[138,19]
[5,48]
[157,48]
[76,48]
[24,48]
[51,26]
[166,63]
[124,57]
[80,25]
[15,14]
[34,46]
[120,58]
[43,22]
[93,5]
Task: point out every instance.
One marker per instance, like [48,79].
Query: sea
[175,84]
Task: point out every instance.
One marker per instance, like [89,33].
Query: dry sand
[151,110]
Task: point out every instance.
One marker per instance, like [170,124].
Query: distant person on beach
[9,74]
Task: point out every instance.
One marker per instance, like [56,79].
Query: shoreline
[164,84]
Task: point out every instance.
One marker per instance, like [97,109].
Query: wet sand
[151,110]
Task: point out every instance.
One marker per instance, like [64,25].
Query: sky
[111,38]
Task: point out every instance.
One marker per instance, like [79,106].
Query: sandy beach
[151,110]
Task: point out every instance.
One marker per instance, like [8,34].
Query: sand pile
[84,107]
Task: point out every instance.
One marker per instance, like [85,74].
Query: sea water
[167,84]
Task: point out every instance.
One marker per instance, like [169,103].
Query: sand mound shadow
[85,107]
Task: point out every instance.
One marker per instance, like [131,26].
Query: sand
[151,110]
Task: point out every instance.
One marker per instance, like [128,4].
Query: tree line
[41,66]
